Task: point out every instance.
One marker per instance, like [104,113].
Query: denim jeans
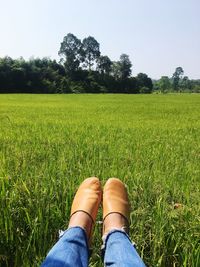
[72,250]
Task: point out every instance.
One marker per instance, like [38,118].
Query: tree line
[82,69]
[177,83]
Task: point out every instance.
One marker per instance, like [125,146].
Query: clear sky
[158,35]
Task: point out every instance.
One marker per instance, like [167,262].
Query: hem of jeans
[85,235]
[106,236]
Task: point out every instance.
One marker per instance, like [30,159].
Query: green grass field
[50,143]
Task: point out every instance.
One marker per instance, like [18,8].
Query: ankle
[115,221]
[83,220]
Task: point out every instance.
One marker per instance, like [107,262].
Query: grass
[50,143]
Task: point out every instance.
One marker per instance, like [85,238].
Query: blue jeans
[72,250]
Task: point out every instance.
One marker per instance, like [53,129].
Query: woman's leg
[118,249]
[72,248]
[120,252]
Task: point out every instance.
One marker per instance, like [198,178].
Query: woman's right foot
[85,205]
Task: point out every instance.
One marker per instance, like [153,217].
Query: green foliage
[115,70]
[176,78]
[50,143]
[33,76]
[47,76]
[144,83]
[145,90]
[177,83]
[164,84]
[82,69]
[196,88]
[125,66]
[91,51]
[121,69]
[71,52]
[64,86]
[104,65]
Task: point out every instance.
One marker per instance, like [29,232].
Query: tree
[185,84]
[144,83]
[164,84]
[71,52]
[6,83]
[90,51]
[116,70]
[177,77]
[104,65]
[125,66]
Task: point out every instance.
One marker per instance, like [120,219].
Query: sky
[158,35]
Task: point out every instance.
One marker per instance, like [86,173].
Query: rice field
[50,143]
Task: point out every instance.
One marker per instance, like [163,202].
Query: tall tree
[185,84]
[71,52]
[177,77]
[164,84]
[125,66]
[91,51]
[104,64]
[116,70]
